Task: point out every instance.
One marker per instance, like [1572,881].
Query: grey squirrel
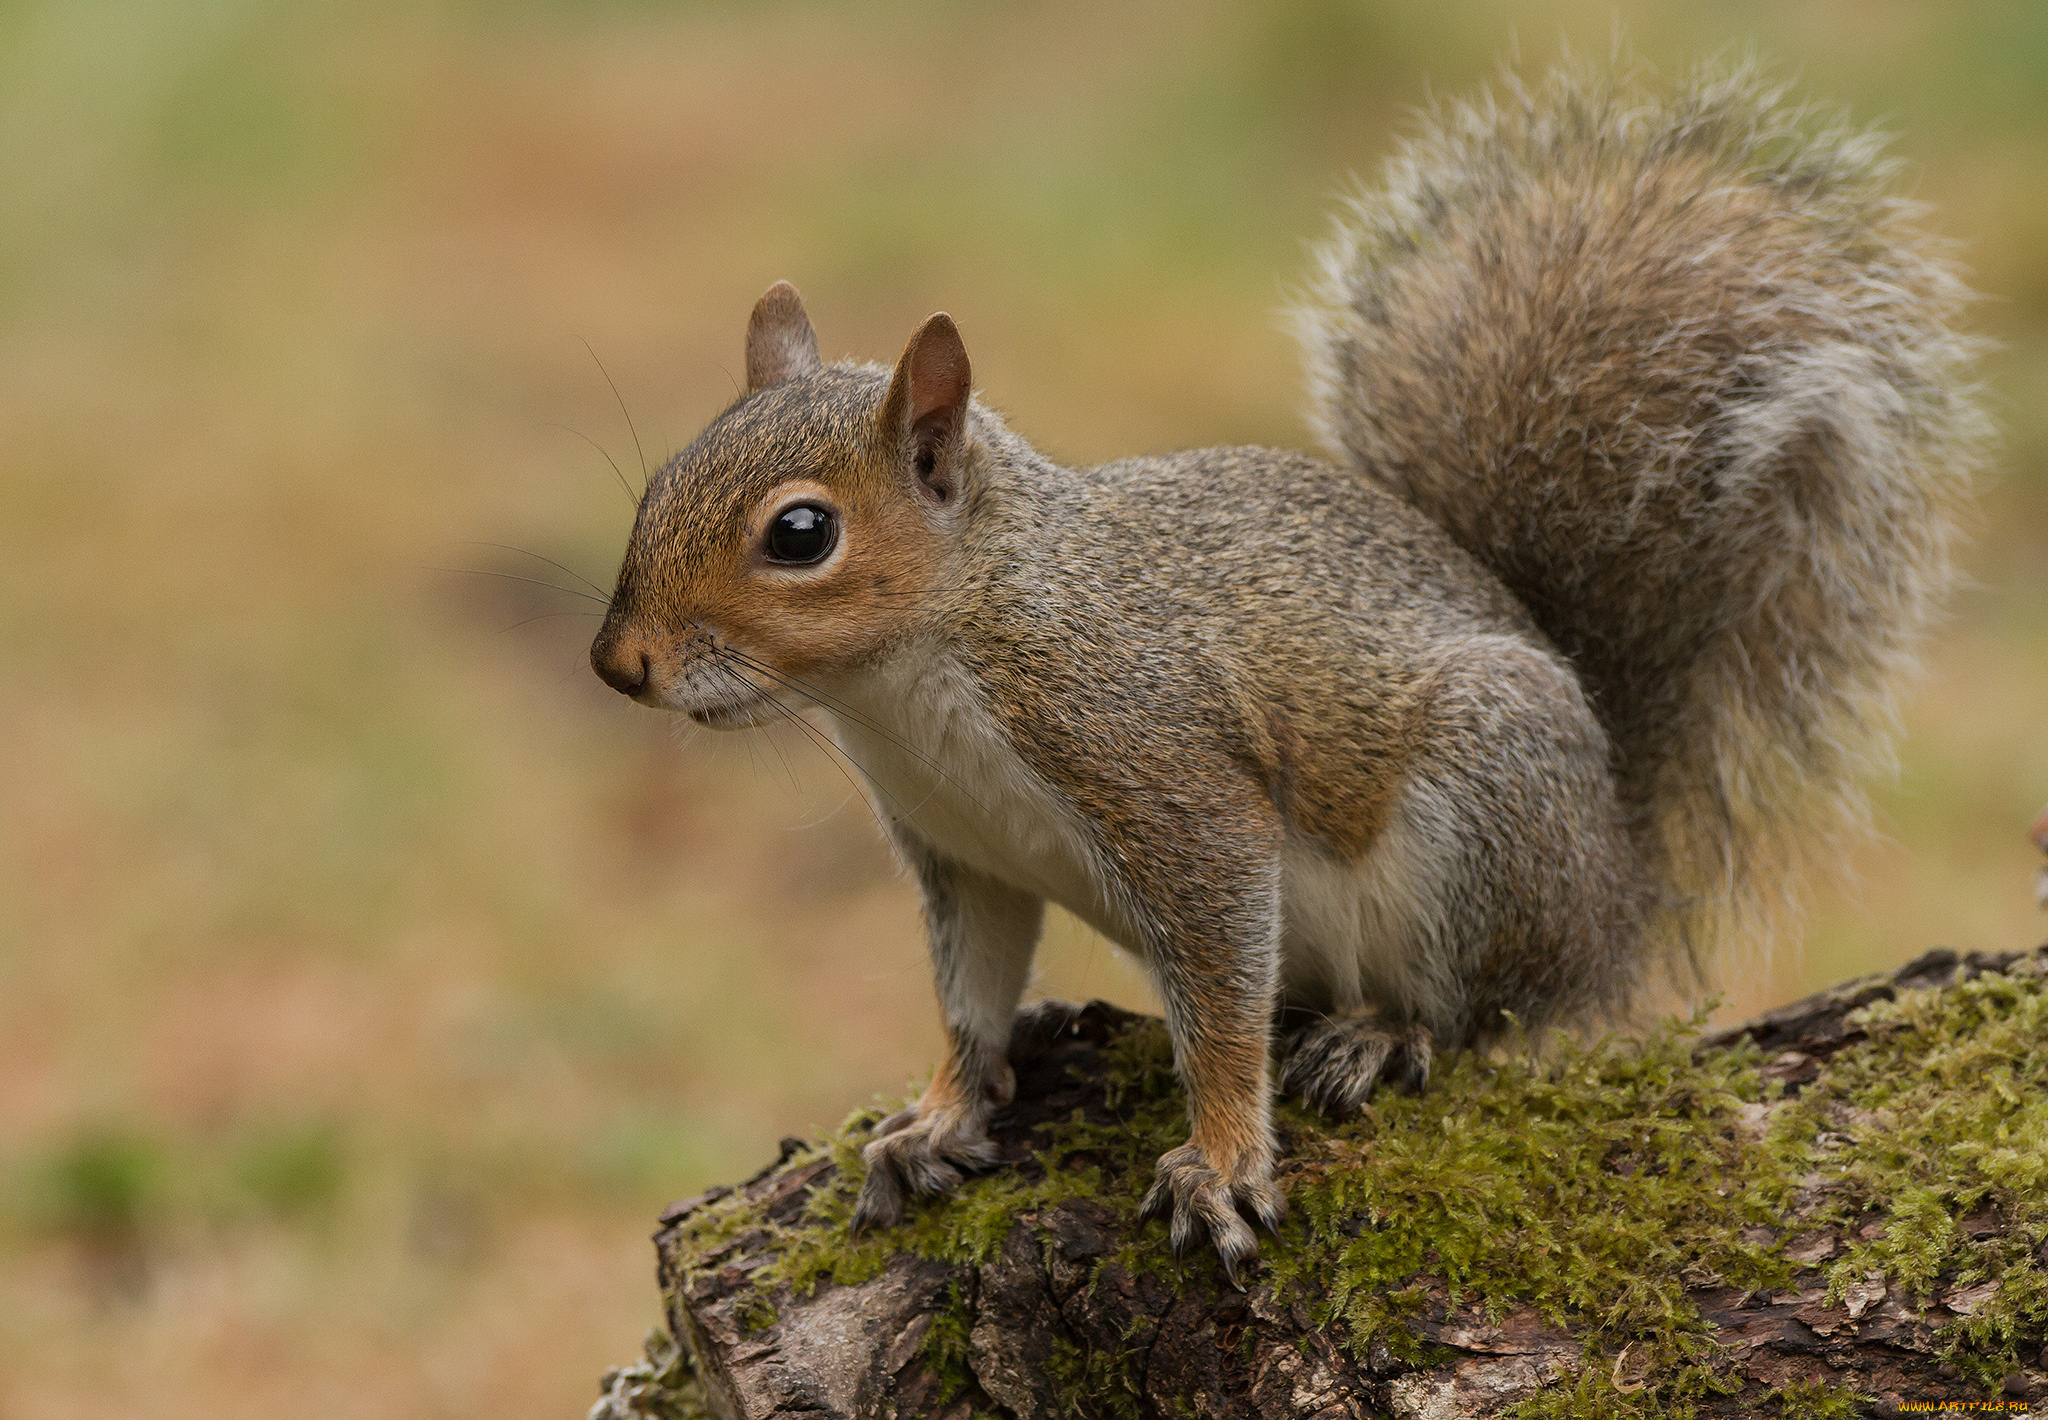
[1645,420]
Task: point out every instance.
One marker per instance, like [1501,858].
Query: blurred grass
[369,976]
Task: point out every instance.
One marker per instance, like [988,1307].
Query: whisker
[820,697]
[622,409]
[747,741]
[733,675]
[836,752]
[833,755]
[507,547]
[617,472]
[906,812]
[848,712]
[842,708]
[515,577]
[543,616]
[833,812]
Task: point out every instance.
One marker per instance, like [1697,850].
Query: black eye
[801,534]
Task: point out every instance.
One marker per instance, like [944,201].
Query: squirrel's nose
[620,662]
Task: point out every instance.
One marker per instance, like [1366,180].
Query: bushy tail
[1684,374]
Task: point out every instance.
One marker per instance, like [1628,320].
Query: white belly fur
[939,764]
[1356,934]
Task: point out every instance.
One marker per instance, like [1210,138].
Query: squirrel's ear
[780,342]
[927,405]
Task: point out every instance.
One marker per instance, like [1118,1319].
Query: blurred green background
[369,974]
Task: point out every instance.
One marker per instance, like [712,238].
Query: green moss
[1593,1395]
[1815,1400]
[945,1348]
[1944,1115]
[661,1385]
[1092,1382]
[971,1225]
[1595,1186]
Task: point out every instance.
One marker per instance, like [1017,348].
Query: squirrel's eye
[801,534]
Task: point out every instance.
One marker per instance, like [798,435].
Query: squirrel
[1646,422]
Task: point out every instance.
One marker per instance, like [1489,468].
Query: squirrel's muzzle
[619,656]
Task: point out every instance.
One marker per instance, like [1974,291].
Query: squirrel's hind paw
[1199,1200]
[1037,1026]
[1332,1064]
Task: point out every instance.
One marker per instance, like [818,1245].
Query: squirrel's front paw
[917,1154]
[1199,1198]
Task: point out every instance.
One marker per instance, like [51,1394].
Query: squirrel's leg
[1217,978]
[1504,887]
[983,933]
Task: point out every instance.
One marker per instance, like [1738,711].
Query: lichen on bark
[1813,1213]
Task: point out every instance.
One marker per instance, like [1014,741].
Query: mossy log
[1838,1209]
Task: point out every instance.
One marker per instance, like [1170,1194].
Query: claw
[1200,1203]
[1235,1244]
[879,1205]
[1333,1064]
[927,1148]
[922,1157]
[1158,1200]
[1230,1268]
[1267,1209]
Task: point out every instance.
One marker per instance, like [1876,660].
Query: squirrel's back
[1684,375]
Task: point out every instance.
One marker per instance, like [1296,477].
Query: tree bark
[1064,1311]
